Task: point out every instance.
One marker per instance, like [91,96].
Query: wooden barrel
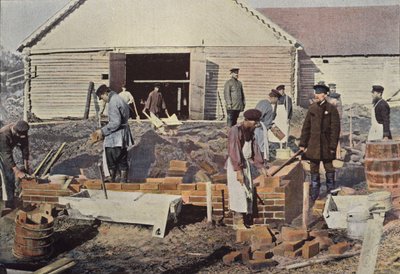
[382,166]
[33,235]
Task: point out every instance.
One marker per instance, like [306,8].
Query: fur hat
[252,114]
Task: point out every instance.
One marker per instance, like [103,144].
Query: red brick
[171,192]
[324,242]
[39,192]
[216,199]
[218,206]
[291,234]
[319,233]
[33,185]
[168,186]
[113,186]
[228,221]
[26,198]
[201,186]
[262,254]
[261,243]
[259,221]
[275,196]
[319,204]
[147,186]
[92,185]
[293,254]
[218,212]
[267,214]
[130,186]
[278,250]
[178,164]
[265,190]
[279,202]
[37,198]
[229,258]
[278,215]
[310,249]
[279,189]
[63,193]
[339,248]
[219,178]
[186,187]
[271,182]
[51,199]
[75,188]
[193,199]
[155,180]
[274,208]
[243,235]
[221,187]
[177,180]
[149,191]
[257,265]
[199,204]
[292,246]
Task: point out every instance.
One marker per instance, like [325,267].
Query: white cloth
[240,196]
[265,147]
[376,130]
[282,123]
[126,96]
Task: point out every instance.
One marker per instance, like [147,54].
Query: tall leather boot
[124,176]
[315,186]
[330,182]
[111,178]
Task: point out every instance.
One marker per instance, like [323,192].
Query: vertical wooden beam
[88,100]
[27,82]
[306,204]
[209,202]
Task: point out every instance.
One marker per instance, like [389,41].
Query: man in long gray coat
[117,134]
[234,97]
[319,139]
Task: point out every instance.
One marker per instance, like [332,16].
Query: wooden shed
[187,45]
[354,47]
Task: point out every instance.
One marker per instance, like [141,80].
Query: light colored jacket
[117,132]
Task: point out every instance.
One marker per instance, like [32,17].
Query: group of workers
[248,141]
[319,138]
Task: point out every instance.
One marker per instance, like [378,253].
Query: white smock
[282,122]
[241,196]
[376,130]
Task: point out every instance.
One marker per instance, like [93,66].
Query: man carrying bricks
[319,139]
[242,148]
[11,136]
[117,134]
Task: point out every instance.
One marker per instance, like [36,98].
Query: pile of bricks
[35,193]
[177,168]
[264,243]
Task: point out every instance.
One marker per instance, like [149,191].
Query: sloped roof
[331,31]
[133,23]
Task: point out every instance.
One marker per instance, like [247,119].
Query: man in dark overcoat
[234,97]
[319,139]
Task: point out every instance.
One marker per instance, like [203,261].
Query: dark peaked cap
[321,89]
[377,88]
[252,114]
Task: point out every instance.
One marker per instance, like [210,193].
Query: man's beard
[375,100]
[248,134]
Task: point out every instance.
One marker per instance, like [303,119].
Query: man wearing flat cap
[319,139]
[155,102]
[11,136]
[117,134]
[268,114]
[242,151]
[234,97]
[380,116]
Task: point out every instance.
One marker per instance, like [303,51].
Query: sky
[19,18]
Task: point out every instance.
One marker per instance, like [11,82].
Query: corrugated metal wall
[60,85]
[261,69]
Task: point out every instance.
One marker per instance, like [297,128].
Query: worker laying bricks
[242,147]
[117,134]
[11,136]
[319,139]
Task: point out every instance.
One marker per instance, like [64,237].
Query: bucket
[381,201]
[382,165]
[357,222]
[33,235]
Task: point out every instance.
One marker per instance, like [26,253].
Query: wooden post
[53,160]
[306,204]
[88,99]
[209,202]
[27,82]
[351,127]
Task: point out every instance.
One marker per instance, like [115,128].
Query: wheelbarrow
[166,126]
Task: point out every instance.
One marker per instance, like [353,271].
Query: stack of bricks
[35,193]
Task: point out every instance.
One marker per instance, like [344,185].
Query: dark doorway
[171,70]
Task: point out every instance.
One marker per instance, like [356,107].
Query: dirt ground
[191,245]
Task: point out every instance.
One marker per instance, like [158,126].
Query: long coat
[320,132]
[234,95]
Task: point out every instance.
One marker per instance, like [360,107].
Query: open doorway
[171,70]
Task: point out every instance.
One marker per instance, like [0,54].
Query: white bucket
[357,222]
[381,201]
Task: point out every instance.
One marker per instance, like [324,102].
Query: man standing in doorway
[266,107]
[380,116]
[155,102]
[234,97]
[128,98]
[319,139]
[283,115]
[242,148]
[117,134]
[11,136]
[285,100]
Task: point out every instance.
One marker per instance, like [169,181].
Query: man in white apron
[243,149]
[285,114]
[267,119]
[117,134]
[380,116]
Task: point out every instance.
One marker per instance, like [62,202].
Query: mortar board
[321,89]
[280,87]
[101,89]
[377,88]
[21,127]
[274,93]
[252,114]
[234,70]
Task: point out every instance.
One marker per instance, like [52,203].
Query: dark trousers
[117,158]
[232,116]
[314,166]
[7,182]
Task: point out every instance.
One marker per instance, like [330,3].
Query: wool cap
[21,127]
[252,114]
[101,89]
[274,93]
